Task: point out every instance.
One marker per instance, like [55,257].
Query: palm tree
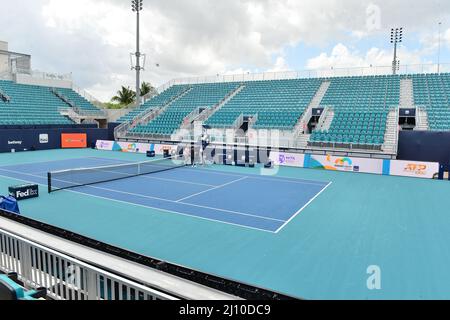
[148,89]
[125,96]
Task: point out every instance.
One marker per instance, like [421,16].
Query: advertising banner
[414,169]
[347,164]
[287,159]
[134,147]
[73,140]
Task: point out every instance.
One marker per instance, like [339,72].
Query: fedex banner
[414,169]
[133,147]
[347,164]
[287,159]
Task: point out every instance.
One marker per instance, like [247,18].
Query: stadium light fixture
[396,38]
[137,6]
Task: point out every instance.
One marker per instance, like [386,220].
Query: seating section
[362,129]
[199,96]
[156,102]
[361,106]
[277,104]
[79,101]
[30,105]
[432,91]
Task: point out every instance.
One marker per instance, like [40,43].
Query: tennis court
[251,201]
[400,224]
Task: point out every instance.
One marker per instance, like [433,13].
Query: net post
[49,182]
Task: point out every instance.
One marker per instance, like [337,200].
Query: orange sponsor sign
[73,140]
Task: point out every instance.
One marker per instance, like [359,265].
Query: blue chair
[11,290]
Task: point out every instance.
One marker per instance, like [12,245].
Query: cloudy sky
[93,38]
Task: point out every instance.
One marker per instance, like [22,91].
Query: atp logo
[417,169]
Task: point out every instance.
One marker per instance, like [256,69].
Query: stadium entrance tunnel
[407,119]
[314,121]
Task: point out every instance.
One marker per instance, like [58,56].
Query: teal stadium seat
[36,105]
[361,106]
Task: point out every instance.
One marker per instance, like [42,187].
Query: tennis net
[67,179]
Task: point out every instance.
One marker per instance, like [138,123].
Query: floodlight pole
[136,6]
[439,49]
[396,37]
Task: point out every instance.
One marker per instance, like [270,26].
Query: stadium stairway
[422,120]
[302,124]
[326,119]
[391,136]
[210,112]
[192,127]
[149,111]
[406,93]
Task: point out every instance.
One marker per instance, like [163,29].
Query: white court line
[147,207]
[304,207]
[212,189]
[156,198]
[274,178]
[43,162]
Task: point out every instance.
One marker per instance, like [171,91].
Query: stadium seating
[200,96]
[277,104]
[84,105]
[156,102]
[432,91]
[361,106]
[30,105]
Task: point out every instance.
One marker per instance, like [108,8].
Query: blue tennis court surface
[400,225]
[264,203]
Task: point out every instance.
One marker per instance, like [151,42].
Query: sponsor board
[347,164]
[425,170]
[73,140]
[134,147]
[43,138]
[287,159]
[15,143]
[24,192]
[104,145]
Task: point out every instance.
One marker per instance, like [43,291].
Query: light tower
[136,6]
[396,37]
[439,49]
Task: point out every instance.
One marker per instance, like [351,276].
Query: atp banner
[287,159]
[414,169]
[73,140]
[347,164]
[134,147]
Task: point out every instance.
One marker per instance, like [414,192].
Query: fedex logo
[26,194]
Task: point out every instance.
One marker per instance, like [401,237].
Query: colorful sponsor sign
[133,147]
[73,140]
[425,170]
[347,164]
[287,159]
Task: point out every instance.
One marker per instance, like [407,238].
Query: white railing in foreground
[319,73]
[66,278]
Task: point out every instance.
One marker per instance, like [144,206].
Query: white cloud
[94,38]
[343,57]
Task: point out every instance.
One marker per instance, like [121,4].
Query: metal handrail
[64,277]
